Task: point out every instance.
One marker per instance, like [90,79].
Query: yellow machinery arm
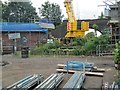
[72,23]
[72,30]
[69,9]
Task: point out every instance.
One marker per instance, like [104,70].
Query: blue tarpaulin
[23,27]
[78,65]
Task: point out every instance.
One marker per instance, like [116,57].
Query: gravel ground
[19,68]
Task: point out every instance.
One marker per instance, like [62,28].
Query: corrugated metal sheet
[46,24]
[24,27]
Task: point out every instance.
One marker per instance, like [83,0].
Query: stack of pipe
[51,83]
[27,82]
[75,82]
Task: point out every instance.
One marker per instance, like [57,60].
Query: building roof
[113,6]
[113,21]
[46,24]
[21,27]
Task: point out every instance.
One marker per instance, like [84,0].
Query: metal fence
[106,49]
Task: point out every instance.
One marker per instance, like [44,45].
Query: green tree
[116,53]
[51,12]
[106,31]
[101,16]
[0,11]
[95,27]
[91,42]
[18,12]
[89,35]
[105,37]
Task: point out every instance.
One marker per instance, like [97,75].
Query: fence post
[99,49]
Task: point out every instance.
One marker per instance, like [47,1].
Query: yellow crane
[72,30]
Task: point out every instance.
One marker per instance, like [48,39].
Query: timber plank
[94,69]
[86,73]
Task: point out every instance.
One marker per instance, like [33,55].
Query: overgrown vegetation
[116,53]
[79,46]
[45,49]
[117,78]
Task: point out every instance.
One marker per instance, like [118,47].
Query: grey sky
[83,9]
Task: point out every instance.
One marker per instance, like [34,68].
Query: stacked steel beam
[51,83]
[75,82]
[27,82]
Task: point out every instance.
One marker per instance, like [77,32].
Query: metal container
[25,52]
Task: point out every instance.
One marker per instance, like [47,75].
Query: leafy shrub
[116,53]
[117,78]
[76,52]
[83,46]
[44,49]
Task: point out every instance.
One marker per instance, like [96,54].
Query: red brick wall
[32,39]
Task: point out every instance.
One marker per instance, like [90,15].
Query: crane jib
[72,30]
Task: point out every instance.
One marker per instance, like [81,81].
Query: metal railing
[105,49]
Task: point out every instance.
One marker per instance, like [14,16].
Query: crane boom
[69,10]
[72,23]
[72,30]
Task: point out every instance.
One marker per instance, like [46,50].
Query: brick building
[23,34]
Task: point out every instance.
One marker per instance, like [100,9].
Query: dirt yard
[18,68]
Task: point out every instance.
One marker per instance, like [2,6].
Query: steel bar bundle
[51,83]
[27,82]
[75,82]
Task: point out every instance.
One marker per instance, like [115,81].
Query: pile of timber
[75,82]
[27,82]
[51,83]
[93,71]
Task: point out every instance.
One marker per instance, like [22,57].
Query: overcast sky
[83,9]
